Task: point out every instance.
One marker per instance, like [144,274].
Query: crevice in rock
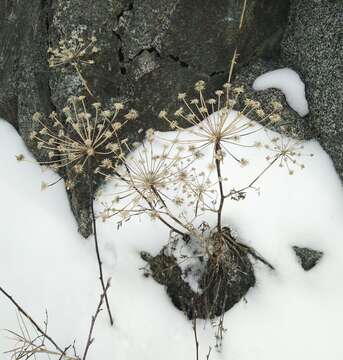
[121,57]
[150,50]
[221,72]
[177,59]
[46,6]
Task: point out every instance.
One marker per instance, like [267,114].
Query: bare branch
[33,322]
[90,339]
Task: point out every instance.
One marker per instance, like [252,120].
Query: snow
[290,83]
[290,314]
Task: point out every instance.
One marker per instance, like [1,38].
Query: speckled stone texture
[313,46]
[150,51]
[308,258]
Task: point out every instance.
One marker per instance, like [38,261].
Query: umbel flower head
[74,51]
[286,152]
[144,177]
[217,122]
[80,134]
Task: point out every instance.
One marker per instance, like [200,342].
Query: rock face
[308,258]
[150,51]
[313,46]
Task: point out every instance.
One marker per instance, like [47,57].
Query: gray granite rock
[297,126]
[308,258]
[313,46]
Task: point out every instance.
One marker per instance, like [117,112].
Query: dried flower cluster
[74,51]
[166,185]
[286,152]
[80,135]
[215,121]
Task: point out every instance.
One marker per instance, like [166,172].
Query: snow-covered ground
[290,314]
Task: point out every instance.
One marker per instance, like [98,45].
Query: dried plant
[80,136]
[76,52]
[79,139]
[164,182]
[143,181]
[29,343]
[166,185]
[32,338]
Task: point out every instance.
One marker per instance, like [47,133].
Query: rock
[297,126]
[308,258]
[221,286]
[313,46]
[150,51]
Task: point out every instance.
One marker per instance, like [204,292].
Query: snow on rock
[289,314]
[289,82]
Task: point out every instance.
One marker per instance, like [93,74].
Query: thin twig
[83,80]
[90,339]
[33,322]
[209,353]
[194,326]
[64,352]
[242,15]
[235,54]
[101,276]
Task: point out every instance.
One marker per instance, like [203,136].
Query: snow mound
[289,82]
[290,314]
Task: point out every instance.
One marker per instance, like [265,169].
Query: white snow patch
[289,82]
[289,314]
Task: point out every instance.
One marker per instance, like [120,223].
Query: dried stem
[194,326]
[235,54]
[255,179]
[90,338]
[209,353]
[83,80]
[152,207]
[242,15]
[220,184]
[33,322]
[96,243]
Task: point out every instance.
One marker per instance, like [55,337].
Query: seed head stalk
[218,151]
[96,243]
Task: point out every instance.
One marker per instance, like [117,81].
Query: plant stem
[38,328]
[96,243]
[90,339]
[256,178]
[196,338]
[218,150]
[159,197]
[171,227]
[84,82]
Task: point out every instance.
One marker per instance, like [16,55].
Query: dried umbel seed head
[286,152]
[217,122]
[79,134]
[75,50]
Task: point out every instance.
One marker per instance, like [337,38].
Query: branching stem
[90,339]
[33,322]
